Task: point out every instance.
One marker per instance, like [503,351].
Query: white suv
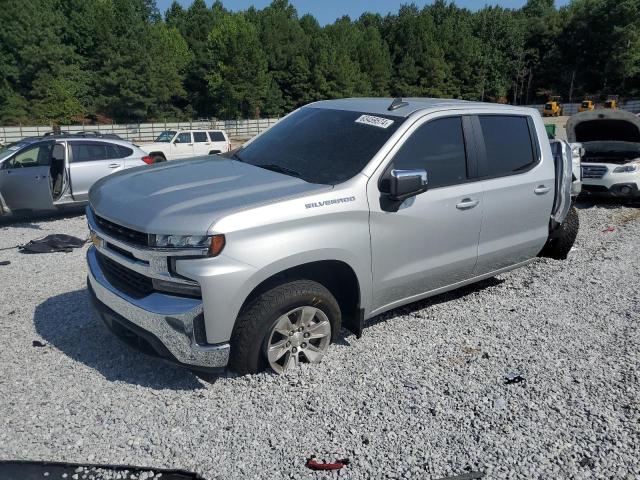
[179,144]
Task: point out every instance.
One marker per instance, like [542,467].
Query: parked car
[611,141]
[343,210]
[180,144]
[56,171]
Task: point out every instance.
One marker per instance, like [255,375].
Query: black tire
[256,320]
[158,158]
[562,239]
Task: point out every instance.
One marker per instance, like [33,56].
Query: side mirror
[400,185]
[177,140]
[404,184]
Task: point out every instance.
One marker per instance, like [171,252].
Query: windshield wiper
[279,168]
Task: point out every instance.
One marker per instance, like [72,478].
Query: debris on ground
[313,464]
[465,476]
[5,262]
[608,229]
[512,378]
[38,343]
[52,243]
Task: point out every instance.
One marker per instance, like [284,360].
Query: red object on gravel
[313,464]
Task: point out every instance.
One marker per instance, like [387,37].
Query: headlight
[214,244]
[626,169]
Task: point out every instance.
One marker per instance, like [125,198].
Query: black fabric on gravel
[52,243]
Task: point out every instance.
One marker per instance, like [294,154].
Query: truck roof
[380,106]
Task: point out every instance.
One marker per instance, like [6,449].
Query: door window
[184,137]
[200,137]
[90,151]
[438,147]
[508,144]
[39,156]
[217,137]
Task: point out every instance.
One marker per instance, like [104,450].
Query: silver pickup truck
[341,211]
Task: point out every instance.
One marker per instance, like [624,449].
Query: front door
[432,240]
[25,179]
[182,146]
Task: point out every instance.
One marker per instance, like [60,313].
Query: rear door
[90,160]
[518,190]
[201,143]
[432,240]
[182,146]
[219,143]
[25,178]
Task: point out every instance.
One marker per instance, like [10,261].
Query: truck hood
[187,197]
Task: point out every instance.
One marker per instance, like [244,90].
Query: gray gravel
[421,395]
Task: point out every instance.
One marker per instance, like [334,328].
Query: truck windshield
[320,145]
[165,137]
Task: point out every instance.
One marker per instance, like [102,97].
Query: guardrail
[145,132]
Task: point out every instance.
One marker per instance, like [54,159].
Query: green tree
[239,81]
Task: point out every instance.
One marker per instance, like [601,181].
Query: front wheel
[288,325]
[561,241]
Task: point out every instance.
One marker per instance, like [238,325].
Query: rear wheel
[288,325]
[562,239]
[158,158]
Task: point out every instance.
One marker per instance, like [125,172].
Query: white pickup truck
[179,144]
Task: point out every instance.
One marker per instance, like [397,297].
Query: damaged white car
[611,142]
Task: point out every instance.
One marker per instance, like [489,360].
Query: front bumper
[164,322]
[619,190]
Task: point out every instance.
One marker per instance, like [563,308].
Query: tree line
[63,61]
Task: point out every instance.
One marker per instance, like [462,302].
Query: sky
[327,11]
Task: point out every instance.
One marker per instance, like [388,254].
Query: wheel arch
[336,276]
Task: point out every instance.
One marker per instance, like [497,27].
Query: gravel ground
[421,395]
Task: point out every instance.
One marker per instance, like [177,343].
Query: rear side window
[217,137]
[438,147]
[91,151]
[200,137]
[508,144]
[124,151]
[88,151]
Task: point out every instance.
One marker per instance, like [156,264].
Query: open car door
[25,178]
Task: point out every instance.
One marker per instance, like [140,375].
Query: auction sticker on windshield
[374,121]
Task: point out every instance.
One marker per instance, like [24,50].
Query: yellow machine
[612,102]
[587,105]
[553,108]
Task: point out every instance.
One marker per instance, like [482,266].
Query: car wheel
[561,241]
[284,327]
[158,159]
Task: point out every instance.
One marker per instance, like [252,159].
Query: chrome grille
[119,232]
[130,282]
[593,171]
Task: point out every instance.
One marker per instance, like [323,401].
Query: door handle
[541,189]
[114,165]
[467,203]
